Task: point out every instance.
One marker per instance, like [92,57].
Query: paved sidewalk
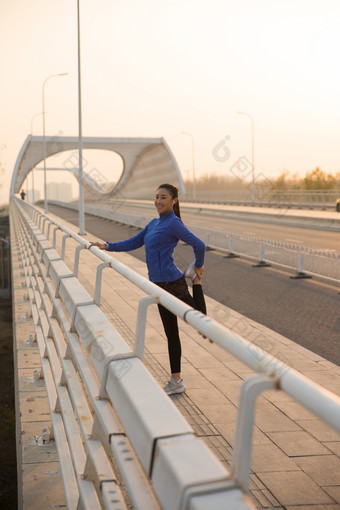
[295,462]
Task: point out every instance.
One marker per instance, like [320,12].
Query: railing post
[250,389]
[55,236]
[300,273]
[98,287]
[64,245]
[231,254]
[143,305]
[76,259]
[261,262]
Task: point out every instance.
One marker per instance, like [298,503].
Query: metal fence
[265,196]
[304,261]
[92,377]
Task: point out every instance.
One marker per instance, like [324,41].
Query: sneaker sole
[182,390]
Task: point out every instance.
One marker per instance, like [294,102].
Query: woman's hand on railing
[198,278]
[101,246]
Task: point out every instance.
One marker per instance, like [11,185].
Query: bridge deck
[295,456]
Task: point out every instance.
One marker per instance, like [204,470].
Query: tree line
[315,179]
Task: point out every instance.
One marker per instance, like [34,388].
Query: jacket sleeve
[129,244]
[184,234]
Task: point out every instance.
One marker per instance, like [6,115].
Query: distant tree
[317,179]
[281,183]
[314,180]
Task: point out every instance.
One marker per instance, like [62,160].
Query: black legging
[179,289]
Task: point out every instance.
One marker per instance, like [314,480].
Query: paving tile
[333,447]
[33,449]
[188,369]
[274,420]
[320,430]
[42,486]
[334,492]
[324,470]
[308,354]
[298,443]
[211,396]
[324,377]
[273,501]
[203,360]
[301,364]
[26,381]
[294,488]
[261,500]
[219,374]
[218,413]
[34,406]
[195,381]
[313,507]
[296,411]
[29,359]
[277,396]
[255,482]
[269,458]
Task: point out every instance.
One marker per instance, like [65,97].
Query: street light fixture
[80,139]
[193,164]
[252,157]
[44,139]
[34,116]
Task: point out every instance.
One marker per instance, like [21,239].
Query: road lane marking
[296,241]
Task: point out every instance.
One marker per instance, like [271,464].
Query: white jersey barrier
[303,260]
[92,377]
[103,401]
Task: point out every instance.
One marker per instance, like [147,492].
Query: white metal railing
[266,196]
[5,284]
[117,367]
[91,376]
[304,261]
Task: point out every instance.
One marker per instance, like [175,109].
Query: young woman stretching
[160,238]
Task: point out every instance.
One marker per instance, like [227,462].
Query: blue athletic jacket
[160,237]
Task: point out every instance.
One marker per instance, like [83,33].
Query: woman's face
[164,201]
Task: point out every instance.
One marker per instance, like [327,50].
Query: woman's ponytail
[177,210]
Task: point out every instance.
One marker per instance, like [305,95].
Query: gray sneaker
[190,272]
[173,386]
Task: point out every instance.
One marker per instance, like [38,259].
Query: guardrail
[304,261]
[92,377]
[265,196]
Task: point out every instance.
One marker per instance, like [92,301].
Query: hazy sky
[161,67]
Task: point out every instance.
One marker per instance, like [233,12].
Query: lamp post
[44,139]
[252,157]
[193,164]
[34,116]
[80,139]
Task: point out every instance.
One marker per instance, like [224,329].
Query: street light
[34,116]
[44,139]
[80,139]
[252,156]
[193,164]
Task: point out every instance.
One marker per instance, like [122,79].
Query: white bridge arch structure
[146,162]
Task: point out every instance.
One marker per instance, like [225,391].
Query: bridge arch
[146,162]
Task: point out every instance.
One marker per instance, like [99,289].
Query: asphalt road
[310,237]
[306,311]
